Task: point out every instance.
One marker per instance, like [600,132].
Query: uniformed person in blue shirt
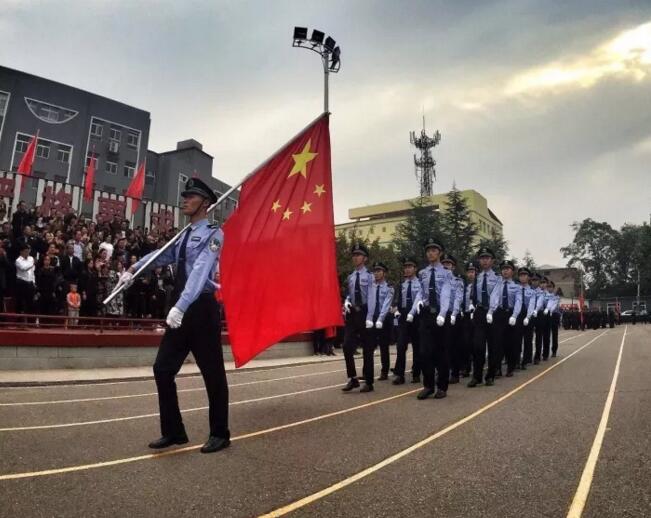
[194,323]
[453,320]
[554,313]
[545,318]
[404,309]
[504,303]
[482,333]
[378,325]
[432,304]
[467,310]
[538,285]
[355,309]
[524,324]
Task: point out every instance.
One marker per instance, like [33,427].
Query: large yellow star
[307,207]
[301,160]
[276,206]
[319,190]
[287,214]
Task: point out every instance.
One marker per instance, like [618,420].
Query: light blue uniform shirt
[491,280]
[539,299]
[457,293]
[415,290]
[201,255]
[443,279]
[384,302]
[553,303]
[525,301]
[365,281]
[496,295]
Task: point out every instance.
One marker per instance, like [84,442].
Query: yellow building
[381,220]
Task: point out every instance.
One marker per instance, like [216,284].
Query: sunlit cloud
[627,56]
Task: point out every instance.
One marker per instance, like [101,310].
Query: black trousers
[482,340]
[546,329]
[466,346]
[378,338]
[200,333]
[503,343]
[408,333]
[433,352]
[454,337]
[554,322]
[24,296]
[525,339]
[354,336]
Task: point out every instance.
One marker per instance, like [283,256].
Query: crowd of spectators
[59,265]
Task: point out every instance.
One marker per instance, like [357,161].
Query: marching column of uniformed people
[458,326]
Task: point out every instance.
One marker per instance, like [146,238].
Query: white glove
[534,314]
[472,315]
[453,319]
[546,312]
[471,308]
[440,320]
[419,306]
[489,318]
[125,279]
[347,306]
[369,324]
[397,314]
[512,321]
[525,322]
[378,325]
[174,318]
[410,317]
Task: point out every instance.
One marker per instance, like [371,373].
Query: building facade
[381,220]
[568,280]
[74,127]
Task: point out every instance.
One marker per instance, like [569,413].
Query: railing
[22,321]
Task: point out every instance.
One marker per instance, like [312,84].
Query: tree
[422,222]
[594,250]
[529,261]
[459,230]
[497,244]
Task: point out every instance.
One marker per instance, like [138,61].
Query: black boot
[352,383]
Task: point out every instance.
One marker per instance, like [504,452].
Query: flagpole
[211,209]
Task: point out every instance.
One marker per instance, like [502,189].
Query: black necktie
[376,311]
[505,296]
[181,274]
[410,300]
[358,291]
[465,287]
[433,299]
[484,291]
[523,307]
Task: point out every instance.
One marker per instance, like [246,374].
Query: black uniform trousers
[546,330]
[525,338]
[466,346]
[433,352]
[504,343]
[408,332]
[482,338]
[554,322]
[377,338]
[454,338]
[354,337]
[200,333]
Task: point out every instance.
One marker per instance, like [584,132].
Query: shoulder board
[214,226]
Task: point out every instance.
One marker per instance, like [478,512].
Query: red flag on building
[278,265]
[90,179]
[136,188]
[27,162]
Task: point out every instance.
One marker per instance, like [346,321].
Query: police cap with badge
[507,264]
[524,269]
[359,249]
[198,186]
[409,261]
[484,251]
[470,265]
[379,265]
[433,242]
[449,258]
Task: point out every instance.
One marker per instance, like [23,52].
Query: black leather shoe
[214,444]
[509,374]
[440,394]
[398,380]
[536,361]
[166,442]
[415,379]
[523,367]
[553,355]
[366,388]
[352,383]
[545,359]
[383,377]
[489,382]
[473,383]
[498,374]
[453,380]
[425,393]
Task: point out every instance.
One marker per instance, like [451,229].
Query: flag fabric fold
[136,188]
[90,179]
[27,162]
[278,265]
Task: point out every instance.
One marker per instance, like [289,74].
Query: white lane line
[151,456]
[128,396]
[583,490]
[403,453]
[143,416]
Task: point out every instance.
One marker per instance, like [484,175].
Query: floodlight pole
[326,75]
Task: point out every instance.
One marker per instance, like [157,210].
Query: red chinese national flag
[27,162]
[278,265]
[90,180]
[136,188]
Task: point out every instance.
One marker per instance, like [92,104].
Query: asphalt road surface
[569,437]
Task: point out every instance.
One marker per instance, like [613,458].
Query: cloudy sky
[543,108]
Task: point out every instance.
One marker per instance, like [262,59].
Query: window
[50,114]
[132,139]
[115,134]
[96,129]
[129,169]
[63,153]
[43,149]
[4,100]
[111,168]
[91,156]
[150,178]
[21,143]
[384,229]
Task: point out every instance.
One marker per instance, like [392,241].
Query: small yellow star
[276,206]
[301,159]
[319,190]
[287,214]
[307,207]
